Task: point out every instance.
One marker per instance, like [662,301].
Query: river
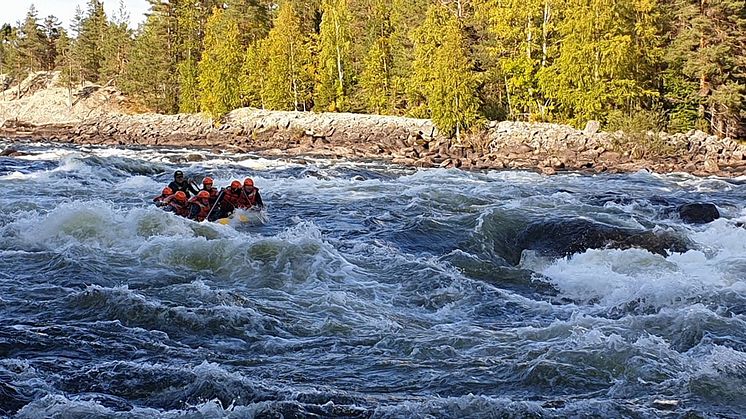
[371,291]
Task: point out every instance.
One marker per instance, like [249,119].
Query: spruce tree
[520,45]
[251,17]
[220,89]
[189,35]
[371,60]
[405,18]
[375,79]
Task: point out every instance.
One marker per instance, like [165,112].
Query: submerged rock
[12,152]
[698,213]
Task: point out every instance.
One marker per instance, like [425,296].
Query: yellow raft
[244,218]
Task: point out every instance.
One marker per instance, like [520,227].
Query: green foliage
[32,43]
[65,63]
[598,68]
[52,30]
[116,47]
[443,72]
[522,42]
[639,132]
[220,89]
[149,73]
[333,56]
[405,17]
[90,39]
[563,61]
[188,86]
[708,52]
[289,78]
[252,18]
[253,78]
[375,79]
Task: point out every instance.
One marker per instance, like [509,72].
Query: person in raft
[213,191]
[159,200]
[250,198]
[181,184]
[177,203]
[244,196]
[199,206]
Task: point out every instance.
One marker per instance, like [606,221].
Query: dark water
[371,291]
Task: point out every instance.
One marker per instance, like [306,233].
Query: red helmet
[235,184]
[207,181]
[167,191]
[203,194]
[180,196]
[248,182]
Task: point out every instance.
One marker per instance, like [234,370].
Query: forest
[669,65]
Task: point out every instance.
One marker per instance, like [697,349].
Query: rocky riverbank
[96,117]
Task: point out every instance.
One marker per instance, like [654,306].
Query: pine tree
[52,31]
[149,73]
[66,64]
[709,56]
[116,47]
[8,50]
[333,58]
[90,39]
[289,83]
[220,89]
[32,43]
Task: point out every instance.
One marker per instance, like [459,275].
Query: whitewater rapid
[372,290]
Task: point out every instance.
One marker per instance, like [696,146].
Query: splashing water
[370,290]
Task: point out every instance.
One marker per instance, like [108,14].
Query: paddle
[252,207]
[220,195]
[194,184]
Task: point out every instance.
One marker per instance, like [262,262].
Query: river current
[371,291]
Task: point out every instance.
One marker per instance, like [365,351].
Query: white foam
[613,277]
[19,176]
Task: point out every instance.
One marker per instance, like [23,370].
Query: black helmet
[178,173]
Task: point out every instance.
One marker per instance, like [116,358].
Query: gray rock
[591,127]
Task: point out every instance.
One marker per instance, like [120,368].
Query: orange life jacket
[204,208]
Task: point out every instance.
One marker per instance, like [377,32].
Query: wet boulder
[698,213]
[561,237]
[12,152]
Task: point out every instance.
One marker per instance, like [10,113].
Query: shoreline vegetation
[97,116]
[590,85]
